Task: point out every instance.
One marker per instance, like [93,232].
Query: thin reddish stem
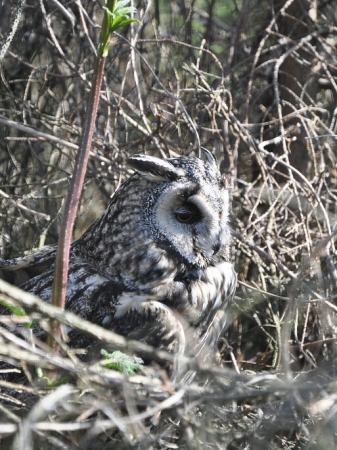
[73,197]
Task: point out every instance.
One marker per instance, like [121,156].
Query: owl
[156,265]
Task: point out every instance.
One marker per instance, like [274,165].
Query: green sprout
[46,382]
[116,16]
[122,362]
[17,312]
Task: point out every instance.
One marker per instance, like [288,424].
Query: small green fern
[122,362]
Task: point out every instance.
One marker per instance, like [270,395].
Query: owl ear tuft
[206,155]
[155,169]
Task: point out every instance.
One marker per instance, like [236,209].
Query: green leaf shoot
[116,16]
[17,312]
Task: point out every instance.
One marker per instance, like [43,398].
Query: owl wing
[96,298]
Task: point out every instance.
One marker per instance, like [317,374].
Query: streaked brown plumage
[157,260]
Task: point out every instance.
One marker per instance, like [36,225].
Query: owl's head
[185,207]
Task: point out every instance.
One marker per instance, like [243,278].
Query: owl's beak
[216,247]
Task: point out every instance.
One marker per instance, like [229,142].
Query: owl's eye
[184,217]
[187,214]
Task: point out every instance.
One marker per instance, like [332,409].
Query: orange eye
[185,217]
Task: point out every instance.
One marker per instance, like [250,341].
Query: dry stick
[278,139]
[15,24]
[64,391]
[54,38]
[286,328]
[259,51]
[177,99]
[48,137]
[296,348]
[174,41]
[23,207]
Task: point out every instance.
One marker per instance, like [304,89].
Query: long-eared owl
[156,265]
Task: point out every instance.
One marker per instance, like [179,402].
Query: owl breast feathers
[155,266]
